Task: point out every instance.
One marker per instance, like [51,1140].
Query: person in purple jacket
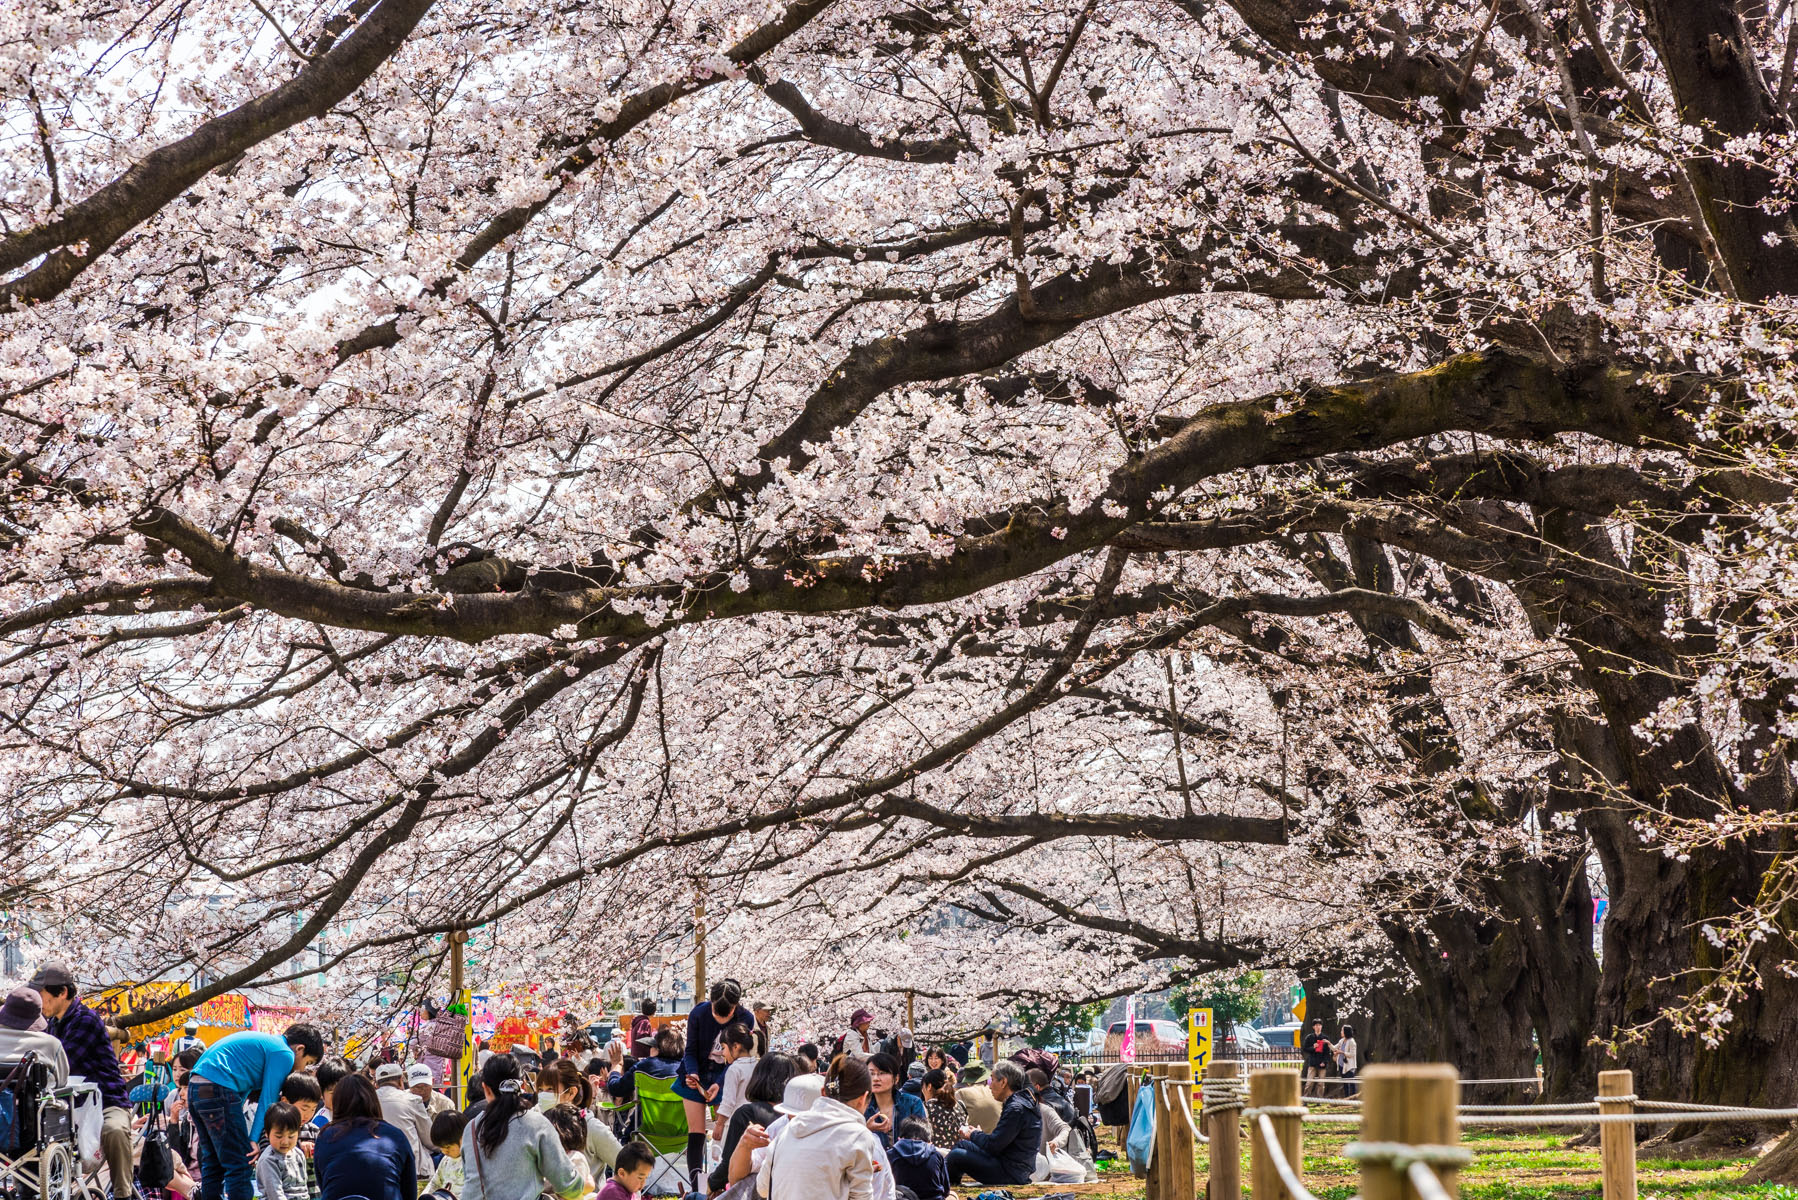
[91,1056]
[699,1079]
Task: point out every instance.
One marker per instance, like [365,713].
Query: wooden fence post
[1617,1140]
[1274,1089]
[1413,1105]
[1157,1188]
[1179,1181]
[1224,1161]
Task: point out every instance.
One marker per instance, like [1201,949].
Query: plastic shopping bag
[1139,1145]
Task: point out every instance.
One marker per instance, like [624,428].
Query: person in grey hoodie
[826,1152]
[510,1151]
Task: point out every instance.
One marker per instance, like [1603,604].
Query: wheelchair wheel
[57,1173]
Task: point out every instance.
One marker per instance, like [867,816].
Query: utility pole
[698,941]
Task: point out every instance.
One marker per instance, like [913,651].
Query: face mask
[546,1100]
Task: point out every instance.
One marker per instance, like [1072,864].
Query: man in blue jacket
[239,1069]
[1007,1155]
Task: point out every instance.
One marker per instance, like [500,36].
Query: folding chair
[662,1122]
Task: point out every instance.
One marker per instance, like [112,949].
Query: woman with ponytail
[510,1151]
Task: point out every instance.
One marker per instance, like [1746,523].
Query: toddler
[281,1171]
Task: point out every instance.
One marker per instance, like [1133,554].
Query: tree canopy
[1008,499]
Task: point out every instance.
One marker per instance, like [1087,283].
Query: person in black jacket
[1007,1155]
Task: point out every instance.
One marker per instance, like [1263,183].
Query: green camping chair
[661,1115]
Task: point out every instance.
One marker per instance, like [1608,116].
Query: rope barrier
[1276,1154]
[1699,1116]
[1185,1109]
[1222,1096]
[1415,1163]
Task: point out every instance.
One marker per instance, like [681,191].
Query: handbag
[445,1036]
[156,1165]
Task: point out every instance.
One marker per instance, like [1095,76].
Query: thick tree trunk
[1551,903]
[1465,1004]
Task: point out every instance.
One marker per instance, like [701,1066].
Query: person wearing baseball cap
[22,1028]
[422,1083]
[406,1113]
[190,1038]
[92,1056]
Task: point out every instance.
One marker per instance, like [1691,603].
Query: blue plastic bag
[1139,1144]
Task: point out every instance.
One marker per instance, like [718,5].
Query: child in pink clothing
[630,1173]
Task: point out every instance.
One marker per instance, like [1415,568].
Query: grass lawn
[1507,1165]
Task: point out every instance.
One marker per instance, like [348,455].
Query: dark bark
[1464,1004]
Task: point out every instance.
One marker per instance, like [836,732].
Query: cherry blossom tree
[1150,489]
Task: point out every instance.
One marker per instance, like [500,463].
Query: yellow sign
[1198,1039]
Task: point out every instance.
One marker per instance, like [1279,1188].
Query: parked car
[1153,1039]
[1244,1037]
[1282,1036]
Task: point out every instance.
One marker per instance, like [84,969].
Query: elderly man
[422,1083]
[405,1112]
[1007,1155]
[22,1028]
[91,1055]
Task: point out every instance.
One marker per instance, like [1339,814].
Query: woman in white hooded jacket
[827,1152]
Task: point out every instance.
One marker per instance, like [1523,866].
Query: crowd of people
[279,1117]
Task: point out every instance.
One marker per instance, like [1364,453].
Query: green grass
[1509,1165]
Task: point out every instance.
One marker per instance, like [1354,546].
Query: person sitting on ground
[1007,1155]
[767,1084]
[801,1092]
[977,1098]
[571,1129]
[359,1155]
[827,1152]
[917,1163]
[947,1114]
[887,1107]
[914,1078]
[23,1028]
[510,1150]
[446,1135]
[1062,1128]
[635,1161]
[281,1168]
[405,1112]
[330,1073]
[808,1056]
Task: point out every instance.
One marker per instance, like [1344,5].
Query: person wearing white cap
[22,1027]
[421,1083]
[405,1112]
[828,1152]
[190,1038]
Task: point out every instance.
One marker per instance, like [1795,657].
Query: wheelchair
[39,1155]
